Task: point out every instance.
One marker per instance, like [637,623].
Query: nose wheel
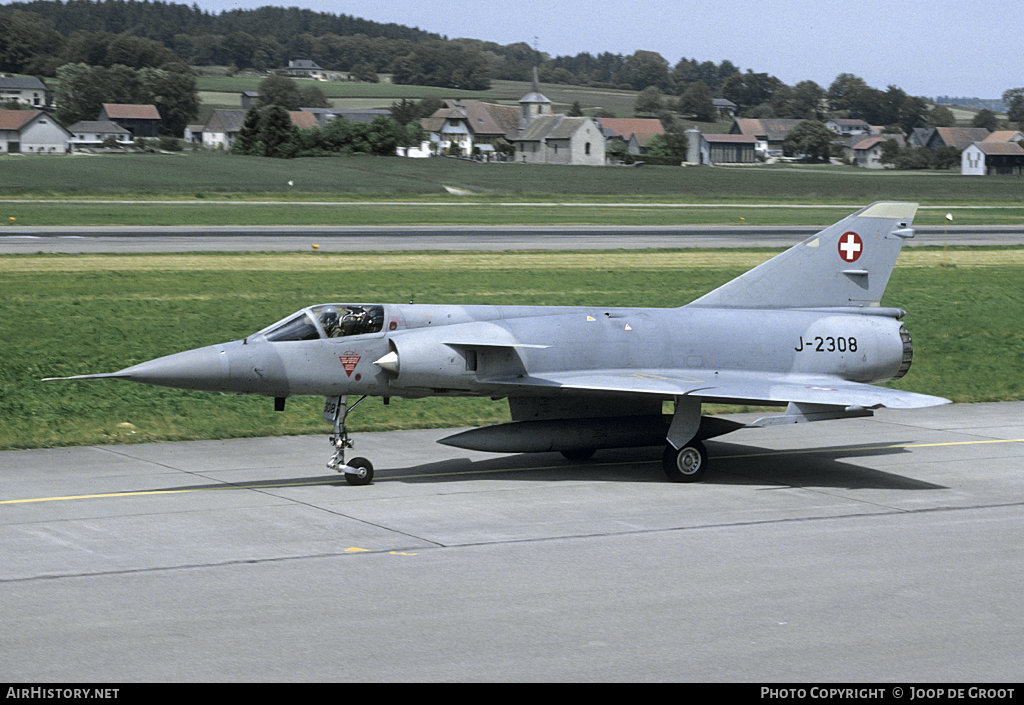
[358,471]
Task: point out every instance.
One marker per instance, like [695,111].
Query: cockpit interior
[327,321]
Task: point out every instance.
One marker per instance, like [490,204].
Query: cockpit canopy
[327,321]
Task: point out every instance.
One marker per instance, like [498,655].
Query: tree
[1014,99]
[890,151]
[810,138]
[750,89]
[697,101]
[643,69]
[649,101]
[448,65]
[312,97]
[914,113]
[279,90]
[26,41]
[175,95]
[669,144]
[844,94]
[83,90]
[987,119]
[806,102]
[941,116]
[268,132]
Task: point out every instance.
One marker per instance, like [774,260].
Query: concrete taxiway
[878,549]
[96,239]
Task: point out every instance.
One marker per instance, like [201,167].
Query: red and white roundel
[850,246]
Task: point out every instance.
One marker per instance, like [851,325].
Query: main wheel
[364,476]
[688,464]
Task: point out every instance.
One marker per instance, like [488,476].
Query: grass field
[225,91]
[211,180]
[68,315]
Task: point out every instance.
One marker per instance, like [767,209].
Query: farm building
[140,120]
[721,149]
[993,158]
[769,132]
[958,137]
[31,132]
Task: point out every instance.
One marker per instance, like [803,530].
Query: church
[538,135]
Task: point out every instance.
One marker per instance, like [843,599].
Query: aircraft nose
[204,369]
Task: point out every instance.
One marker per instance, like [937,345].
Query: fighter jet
[804,331]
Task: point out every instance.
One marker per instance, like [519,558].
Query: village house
[92,133]
[471,127]
[724,107]
[634,132]
[849,126]
[304,68]
[1005,136]
[221,130]
[27,91]
[866,150]
[31,132]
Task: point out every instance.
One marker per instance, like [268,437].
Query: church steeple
[533,104]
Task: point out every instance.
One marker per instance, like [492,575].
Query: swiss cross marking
[850,246]
[349,361]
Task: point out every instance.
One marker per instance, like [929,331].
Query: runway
[872,550]
[77,240]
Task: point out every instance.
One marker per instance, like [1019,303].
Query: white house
[92,133]
[304,68]
[27,91]
[31,132]
[222,128]
[844,126]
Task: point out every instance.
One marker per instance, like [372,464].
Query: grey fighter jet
[804,331]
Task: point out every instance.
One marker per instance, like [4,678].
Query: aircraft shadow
[731,464]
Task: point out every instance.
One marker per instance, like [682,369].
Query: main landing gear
[358,471]
[687,464]
[685,458]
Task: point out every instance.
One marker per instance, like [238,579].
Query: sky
[926,47]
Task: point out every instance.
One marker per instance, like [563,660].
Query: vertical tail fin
[846,264]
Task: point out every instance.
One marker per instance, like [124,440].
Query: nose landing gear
[358,471]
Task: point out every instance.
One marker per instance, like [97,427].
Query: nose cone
[204,369]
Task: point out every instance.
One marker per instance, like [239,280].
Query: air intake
[908,352]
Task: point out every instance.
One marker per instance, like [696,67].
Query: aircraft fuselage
[477,350]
